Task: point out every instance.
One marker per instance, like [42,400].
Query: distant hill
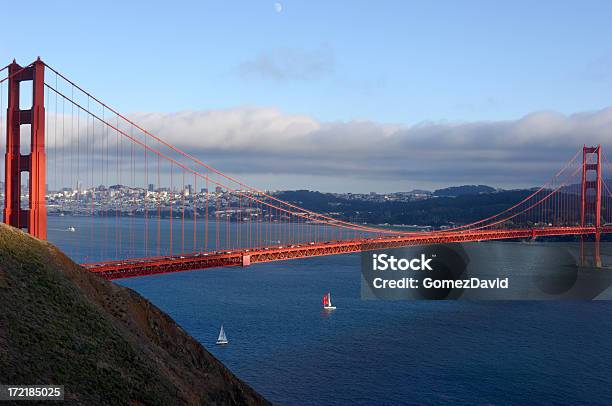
[62,325]
[437,211]
[454,191]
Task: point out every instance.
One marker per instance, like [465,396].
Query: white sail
[222,338]
[328,305]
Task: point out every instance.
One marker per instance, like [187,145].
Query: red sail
[325,300]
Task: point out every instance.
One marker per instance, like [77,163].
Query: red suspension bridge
[68,152]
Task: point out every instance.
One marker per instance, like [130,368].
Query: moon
[278,7]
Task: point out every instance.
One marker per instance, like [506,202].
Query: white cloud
[360,155]
[287,64]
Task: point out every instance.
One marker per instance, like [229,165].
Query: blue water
[381,352]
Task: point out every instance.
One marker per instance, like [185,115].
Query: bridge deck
[185,262]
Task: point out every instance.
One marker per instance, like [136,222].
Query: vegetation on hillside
[60,324]
[437,211]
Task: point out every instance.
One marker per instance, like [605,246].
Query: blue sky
[387,62]
[401,62]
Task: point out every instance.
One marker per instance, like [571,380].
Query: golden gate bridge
[140,193]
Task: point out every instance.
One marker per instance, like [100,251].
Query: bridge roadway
[242,257]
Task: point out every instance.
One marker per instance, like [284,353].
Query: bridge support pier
[246,260]
[596,253]
[34,218]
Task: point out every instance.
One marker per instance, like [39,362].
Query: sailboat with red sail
[327,304]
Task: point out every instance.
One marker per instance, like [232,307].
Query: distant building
[151,187]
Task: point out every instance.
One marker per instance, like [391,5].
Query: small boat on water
[71,229]
[222,337]
[327,304]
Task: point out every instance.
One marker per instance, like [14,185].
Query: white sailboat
[327,304]
[222,338]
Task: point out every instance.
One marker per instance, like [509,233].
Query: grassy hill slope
[108,345]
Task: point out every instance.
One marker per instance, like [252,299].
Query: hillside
[454,191]
[108,345]
[436,212]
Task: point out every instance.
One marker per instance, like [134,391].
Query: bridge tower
[34,217]
[590,208]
